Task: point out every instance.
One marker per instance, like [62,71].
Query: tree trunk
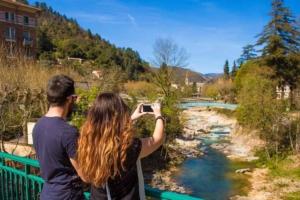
[291,98]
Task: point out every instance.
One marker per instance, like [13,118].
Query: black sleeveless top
[126,186]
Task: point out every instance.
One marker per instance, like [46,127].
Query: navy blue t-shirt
[55,142]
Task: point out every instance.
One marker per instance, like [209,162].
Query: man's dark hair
[59,88]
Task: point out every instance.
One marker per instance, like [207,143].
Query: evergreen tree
[226,69]
[280,40]
[194,88]
[234,69]
[280,35]
[249,53]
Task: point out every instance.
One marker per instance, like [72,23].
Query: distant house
[79,60]
[174,85]
[97,74]
[18,23]
[189,81]
[283,93]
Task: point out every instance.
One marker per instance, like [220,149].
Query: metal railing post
[27,184]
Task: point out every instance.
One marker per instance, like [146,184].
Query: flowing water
[186,105]
[207,176]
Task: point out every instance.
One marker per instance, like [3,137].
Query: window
[12,16]
[26,35]
[9,16]
[26,20]
[10,33]
[6,16]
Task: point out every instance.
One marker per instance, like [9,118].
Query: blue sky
[210,30]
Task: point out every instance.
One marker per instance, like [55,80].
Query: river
[209,177]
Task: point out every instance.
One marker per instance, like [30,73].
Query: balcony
[10,38]
[17,181]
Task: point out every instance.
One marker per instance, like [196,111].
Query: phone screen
[147,108]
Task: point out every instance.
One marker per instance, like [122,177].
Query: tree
[280,35]
[44,45]
[249,53]
[62,37]
[226,70]
[280,40]
[234,69]
[194,88]
[258,105]
[23,1]
[166,51]
[168,55]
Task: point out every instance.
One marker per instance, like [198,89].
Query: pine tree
[280,40]
[280,35]
[249,53]
[226,70]
[234,69]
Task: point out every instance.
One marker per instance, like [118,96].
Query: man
[55,143]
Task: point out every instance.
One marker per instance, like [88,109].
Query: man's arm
[69,141]
[77,168]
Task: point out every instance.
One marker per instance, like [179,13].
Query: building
[18,23]
[199,83]
[283,93]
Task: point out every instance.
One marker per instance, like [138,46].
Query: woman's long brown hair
[104,139]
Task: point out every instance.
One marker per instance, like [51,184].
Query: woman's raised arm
[150,144]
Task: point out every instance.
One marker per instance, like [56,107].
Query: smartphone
[147,108]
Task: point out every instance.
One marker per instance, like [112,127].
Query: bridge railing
[19,180]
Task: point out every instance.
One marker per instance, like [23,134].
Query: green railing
[18,181]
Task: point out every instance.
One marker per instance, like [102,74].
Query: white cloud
[132,19]
[102,18]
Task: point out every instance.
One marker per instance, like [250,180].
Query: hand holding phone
[147,108]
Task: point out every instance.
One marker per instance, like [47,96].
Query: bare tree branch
[166,51]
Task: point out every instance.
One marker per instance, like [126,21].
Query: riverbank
[250,181]
[198,122]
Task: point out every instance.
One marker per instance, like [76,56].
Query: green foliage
[142,89]
[258,106]
[243,71]
[86,98]
[281,34]
[229,113]
[281,44]
[62,37]
[292,196]
[169,99]
[280,165]
[194,87]
[248,53]
[234,70]
[17,107]
[220,89]
[226,70]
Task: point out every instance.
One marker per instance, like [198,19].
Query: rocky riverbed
[198,124]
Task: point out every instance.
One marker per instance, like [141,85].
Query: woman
[108,151]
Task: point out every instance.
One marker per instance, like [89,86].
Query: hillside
[60,37]
[181,73]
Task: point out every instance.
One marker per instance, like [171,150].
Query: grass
[29,74]
[226,112]
[241,184]
[293,196]
[282,166]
